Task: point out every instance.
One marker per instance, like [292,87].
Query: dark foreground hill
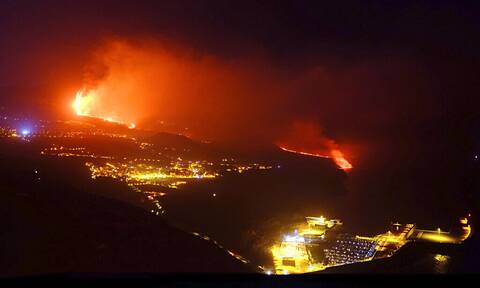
[54,221]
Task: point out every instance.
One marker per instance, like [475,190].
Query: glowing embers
[84,104]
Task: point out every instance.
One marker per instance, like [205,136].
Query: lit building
[303,252]
[291,256]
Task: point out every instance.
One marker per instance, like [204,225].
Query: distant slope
[252,152]
[164,139]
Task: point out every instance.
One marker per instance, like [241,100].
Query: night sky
[390,78]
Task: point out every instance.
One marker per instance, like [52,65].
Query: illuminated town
[142,168]
[155,171]
[141,174]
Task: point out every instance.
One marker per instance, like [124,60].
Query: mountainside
[54,221]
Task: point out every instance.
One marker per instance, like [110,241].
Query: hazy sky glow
[249,70]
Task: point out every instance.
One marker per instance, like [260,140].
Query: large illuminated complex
[153,171]
[324,245]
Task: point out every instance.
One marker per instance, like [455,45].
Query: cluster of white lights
[294,238]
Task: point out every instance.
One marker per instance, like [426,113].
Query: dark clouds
[282,29]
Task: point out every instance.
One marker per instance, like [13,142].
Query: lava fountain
[84,103]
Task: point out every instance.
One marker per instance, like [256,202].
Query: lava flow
[303,153]
[307,138]
[335,154]
[340,160]
[84,103]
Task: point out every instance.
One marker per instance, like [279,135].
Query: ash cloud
[249,97]
[307,136]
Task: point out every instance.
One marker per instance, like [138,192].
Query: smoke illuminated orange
[307,138]
[84,103]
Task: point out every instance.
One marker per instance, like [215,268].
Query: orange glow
[307,138]
[340,160]
[336,155]
[84,104]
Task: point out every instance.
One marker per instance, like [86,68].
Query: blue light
[25,132]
